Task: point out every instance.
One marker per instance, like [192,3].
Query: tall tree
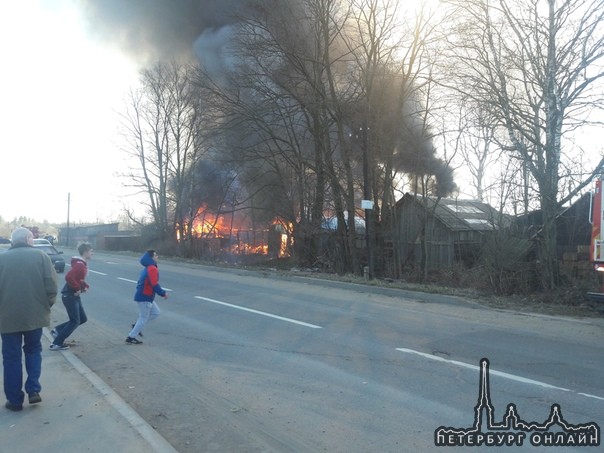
[286,91]
[393,63]
[536,67]
[163,128]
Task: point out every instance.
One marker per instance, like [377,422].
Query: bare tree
[286,92]
[147,172]
[162,126]
[303,78]
[477,148]
[535,66]
[264,118]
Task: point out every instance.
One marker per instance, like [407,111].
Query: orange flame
[243,240]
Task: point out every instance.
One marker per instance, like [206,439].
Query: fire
[210,226]
[235,236]
[286,233]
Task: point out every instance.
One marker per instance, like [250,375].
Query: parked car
[55,256]
[40,241]
[4,241]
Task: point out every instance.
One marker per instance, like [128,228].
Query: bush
[506,262]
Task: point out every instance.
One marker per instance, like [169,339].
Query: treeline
[311,106]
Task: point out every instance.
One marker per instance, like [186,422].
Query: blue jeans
[147,311]
[12,343]
[77,317]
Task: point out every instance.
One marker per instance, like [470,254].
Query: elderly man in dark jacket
[28,288]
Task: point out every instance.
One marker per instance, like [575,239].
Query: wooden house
[445,230]
[572,224]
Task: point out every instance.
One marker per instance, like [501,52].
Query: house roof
[331,223]
[572,222]
[458,214]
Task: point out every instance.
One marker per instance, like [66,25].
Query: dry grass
[564,301]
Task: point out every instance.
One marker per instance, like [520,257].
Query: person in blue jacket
[146,289]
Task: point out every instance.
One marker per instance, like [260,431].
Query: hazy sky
[59,90]
[68,65]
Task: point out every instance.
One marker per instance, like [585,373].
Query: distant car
[41,241]
[55,256]
[4,241]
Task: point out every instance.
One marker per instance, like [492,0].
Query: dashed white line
[134,281]
[96,272]
[512,377]
[492,372]
[589,395]
[259,312]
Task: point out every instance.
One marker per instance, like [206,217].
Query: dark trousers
[12,343]
[77,317]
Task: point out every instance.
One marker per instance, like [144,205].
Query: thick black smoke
[152,30]
[417,156]
[162,30]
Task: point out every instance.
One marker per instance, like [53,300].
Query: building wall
[73,235]
[444,245]
[132,243]
[438,243]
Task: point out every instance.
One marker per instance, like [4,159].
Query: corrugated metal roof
[460,214]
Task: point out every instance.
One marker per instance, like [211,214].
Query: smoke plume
[153,30]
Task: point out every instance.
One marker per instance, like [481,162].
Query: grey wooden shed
[448,230]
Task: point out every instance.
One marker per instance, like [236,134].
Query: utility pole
[367,203]
[68,207]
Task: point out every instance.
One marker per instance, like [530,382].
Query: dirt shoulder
[570,302]
[551,304]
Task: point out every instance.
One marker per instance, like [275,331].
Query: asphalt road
[248,362]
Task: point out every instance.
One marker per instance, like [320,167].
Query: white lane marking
[492,372]
[96,272]
[512,377]
[589,395]
[259,312]
[134,281]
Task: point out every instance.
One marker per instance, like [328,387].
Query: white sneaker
[58,347]
[54,333]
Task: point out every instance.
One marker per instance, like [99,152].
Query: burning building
[236,233]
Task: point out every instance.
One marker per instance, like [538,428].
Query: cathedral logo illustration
[512,430]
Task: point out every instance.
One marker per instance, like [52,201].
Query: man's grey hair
[20,235]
